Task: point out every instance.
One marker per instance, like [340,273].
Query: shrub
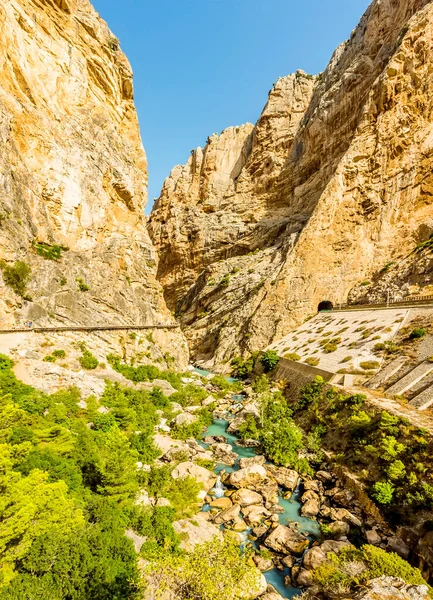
[369,365]
[82,285]
[88,361]
[390,448]
[292,356]
[48,251]
[241,368]
[225,281]
[396,470]
[261,384]
[379,347]
[62,281]
[330,347]
[59,353]
[269,360]
[346,359]
[354,567]
[313,362]
[383,492]
[417,333]
[360,419]
[49,358]
[16,276]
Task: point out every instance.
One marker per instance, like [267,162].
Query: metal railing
[90,328]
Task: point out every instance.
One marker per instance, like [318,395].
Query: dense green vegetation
[69,478]
[278,434]
[242,368]
[389,455]
[354,567]
[213,571]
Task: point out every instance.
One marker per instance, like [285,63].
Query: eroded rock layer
[332,183]
[73,173]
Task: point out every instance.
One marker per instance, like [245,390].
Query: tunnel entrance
[325,305]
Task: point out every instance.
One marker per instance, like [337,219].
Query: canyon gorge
[152,379]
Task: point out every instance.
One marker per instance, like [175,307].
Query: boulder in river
[264,564]
[223,453]
[286,478]
[314,557]
[339,529]
[221,503]
[311,508]
[286,540]
[246,497]
[252,460]
[255,514]
[229,514]
[250,477]
[250,409]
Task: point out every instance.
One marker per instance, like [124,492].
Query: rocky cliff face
[73,173]
[332,183]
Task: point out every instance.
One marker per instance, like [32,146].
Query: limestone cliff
[73,173]
[332,183]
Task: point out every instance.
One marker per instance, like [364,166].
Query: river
[291,507]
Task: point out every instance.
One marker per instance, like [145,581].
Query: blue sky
[203,65]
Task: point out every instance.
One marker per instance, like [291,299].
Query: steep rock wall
[73,172]
[346,191]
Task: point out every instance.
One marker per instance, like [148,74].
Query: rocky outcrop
[73,174]
[392,588]
[331,185]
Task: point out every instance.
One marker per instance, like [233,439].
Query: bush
[261,384]
[313,362]
[396,470]
[49,358]
[59,353]
[16,276]
[269,360]
[354,567]
[50,252]
[329,347]
[225,281]
[241,368]
[88,361]
[369,365]
[417,333]
[383,492]
[292,356]
[82,285]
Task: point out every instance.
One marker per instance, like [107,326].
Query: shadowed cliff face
[73,171]
[331,184]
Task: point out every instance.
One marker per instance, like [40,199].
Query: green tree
[269,360]
[30,507]
[118,466]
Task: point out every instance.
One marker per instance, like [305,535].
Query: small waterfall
[218,489]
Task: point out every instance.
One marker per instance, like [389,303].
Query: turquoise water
[291,507]
[205,373]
